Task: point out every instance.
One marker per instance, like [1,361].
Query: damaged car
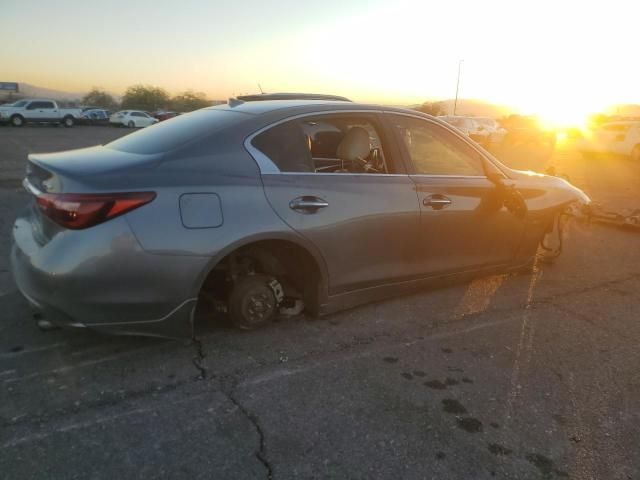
[268,206]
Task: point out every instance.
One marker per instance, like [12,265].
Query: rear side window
[435,151]
[286,145]
[165,136]
[36,105]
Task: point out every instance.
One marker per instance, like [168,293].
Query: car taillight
[79,210]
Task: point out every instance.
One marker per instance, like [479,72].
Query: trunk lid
[77,171]
[86,162]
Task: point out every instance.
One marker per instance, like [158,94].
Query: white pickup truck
[38,111]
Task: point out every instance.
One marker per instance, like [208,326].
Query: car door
[364,223]
[42,111]
[145,120]
[48,111]
[463,222]
[629,139]
[34,111]
[633,139]
[135,118]
[619,138]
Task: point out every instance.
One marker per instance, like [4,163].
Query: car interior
[326,145]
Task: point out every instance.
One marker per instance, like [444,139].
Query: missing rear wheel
[253,303]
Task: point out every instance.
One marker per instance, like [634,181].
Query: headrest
[355,144]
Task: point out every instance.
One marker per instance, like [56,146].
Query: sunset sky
[559,59]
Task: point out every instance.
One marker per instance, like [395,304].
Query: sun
[560,115]
[562,111]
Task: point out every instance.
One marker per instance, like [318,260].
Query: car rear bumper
[100,278]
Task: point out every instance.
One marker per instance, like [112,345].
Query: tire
[131,124]
[635,153]
[17,121]
[67,122]
[252,303]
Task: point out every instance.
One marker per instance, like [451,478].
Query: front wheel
[252,302]
[17,121]
[131,124]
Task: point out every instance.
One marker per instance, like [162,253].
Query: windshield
[177,131]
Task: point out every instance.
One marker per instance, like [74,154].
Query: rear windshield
[170,134]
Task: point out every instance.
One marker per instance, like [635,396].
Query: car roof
[290,96]
[263,107]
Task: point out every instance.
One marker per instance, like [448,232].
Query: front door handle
[436,202]
[307,204]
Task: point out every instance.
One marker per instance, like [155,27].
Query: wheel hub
[257,306]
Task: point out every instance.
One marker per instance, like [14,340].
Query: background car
[497,133]
[94,116]
[38,111]
[470,127]
[617,138]
[132,119]
[161,116]
[262,206]
[528,130]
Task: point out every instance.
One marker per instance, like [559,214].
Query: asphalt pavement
[510,376]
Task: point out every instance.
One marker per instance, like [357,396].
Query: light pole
[455,103]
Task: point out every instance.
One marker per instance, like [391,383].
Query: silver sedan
[264,207]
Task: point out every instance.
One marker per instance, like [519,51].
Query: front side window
[341,143]
[435,151]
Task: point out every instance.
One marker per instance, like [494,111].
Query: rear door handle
[307,204]
[436,202]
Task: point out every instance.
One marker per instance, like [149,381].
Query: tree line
[147,98]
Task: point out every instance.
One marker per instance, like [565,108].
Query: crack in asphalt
[198,359]
[254,420]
